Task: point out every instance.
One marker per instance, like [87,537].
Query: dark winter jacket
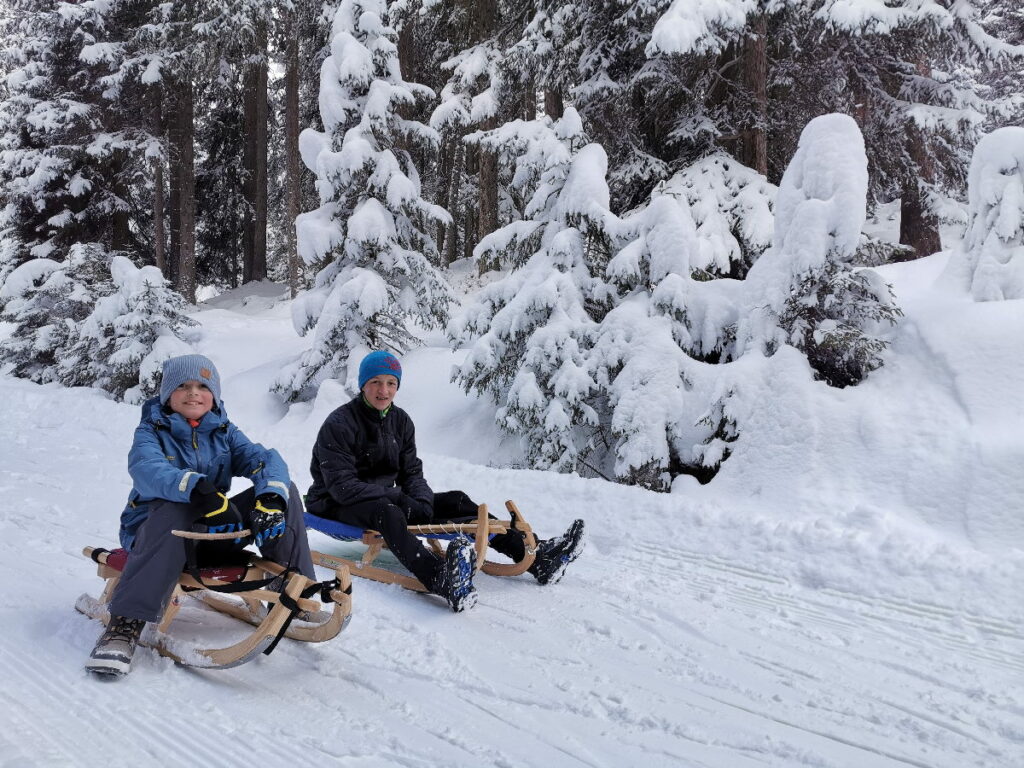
[363,455]
[168,457]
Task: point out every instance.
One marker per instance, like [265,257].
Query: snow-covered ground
[845,593]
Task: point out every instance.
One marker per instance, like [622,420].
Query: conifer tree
[638,356]
[804,291]
[530,331]
[29,297]
[371,236]
[990,261]
[128,334]
[61,158]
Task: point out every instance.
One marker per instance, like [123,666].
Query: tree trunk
[120,234]
[255,161]
[454,202]
[487,221]
[159,236]
[485,20]
[554,106]
[530,99]
[174,197]
[446,180]
[755,66]
[919,227]
[183,156]
[292,164]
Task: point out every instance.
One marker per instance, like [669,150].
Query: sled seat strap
[193,570]
[323,587]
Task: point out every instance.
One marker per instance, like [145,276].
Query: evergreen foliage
[530,332]
[990,261]
[805,292]
[637,176]
[370,237]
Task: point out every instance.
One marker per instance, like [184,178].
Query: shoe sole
[108,668]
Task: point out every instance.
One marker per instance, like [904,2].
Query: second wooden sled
[480,530]
[297,594]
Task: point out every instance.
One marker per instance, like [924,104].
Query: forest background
[357,149]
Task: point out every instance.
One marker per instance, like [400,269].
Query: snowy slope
[844,594]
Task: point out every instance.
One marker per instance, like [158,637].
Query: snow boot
[455,577]
[554,555]
[112,656]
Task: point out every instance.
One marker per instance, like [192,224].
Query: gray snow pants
[158,558]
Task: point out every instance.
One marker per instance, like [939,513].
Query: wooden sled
[249,606]
[479,530]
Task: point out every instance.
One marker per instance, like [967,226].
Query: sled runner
[239,591]
[479,529]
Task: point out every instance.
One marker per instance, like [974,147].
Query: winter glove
[416,512]
[267,518]
[211,503]
[216,511]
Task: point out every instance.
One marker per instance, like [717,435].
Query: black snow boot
[112,656]
[454,580]
[554,555]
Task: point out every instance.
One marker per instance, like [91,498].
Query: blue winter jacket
[168,457]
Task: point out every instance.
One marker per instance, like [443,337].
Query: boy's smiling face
[192,400]
[380,391]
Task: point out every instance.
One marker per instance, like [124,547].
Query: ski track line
[831,737]
[68,734]
[871,619]
[926,619]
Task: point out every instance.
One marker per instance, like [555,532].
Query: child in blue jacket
[182,460]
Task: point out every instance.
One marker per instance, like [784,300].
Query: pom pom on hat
[378,363]
[178,370]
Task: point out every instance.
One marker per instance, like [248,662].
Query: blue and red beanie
[178,370]
[378,363]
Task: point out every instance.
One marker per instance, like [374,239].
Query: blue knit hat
[377,363]
[178,370]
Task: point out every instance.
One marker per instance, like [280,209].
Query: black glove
[267,518]
[216,511]
[416,512]
[211,504]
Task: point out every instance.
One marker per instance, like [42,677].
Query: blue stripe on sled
[346,532]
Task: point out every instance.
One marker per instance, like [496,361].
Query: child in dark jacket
[182,460]
[366,473]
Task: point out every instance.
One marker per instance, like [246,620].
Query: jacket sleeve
[410,472]
[336,452]
[153,475]
[264,466]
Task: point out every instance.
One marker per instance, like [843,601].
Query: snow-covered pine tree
[371,234]
[48,302]
[804,291]
[129,333]
[28,296]
[907,72]
[990,261]
[475,96]
[637,356]
[62,161]
[529,332]
[732,208]
[640,109]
